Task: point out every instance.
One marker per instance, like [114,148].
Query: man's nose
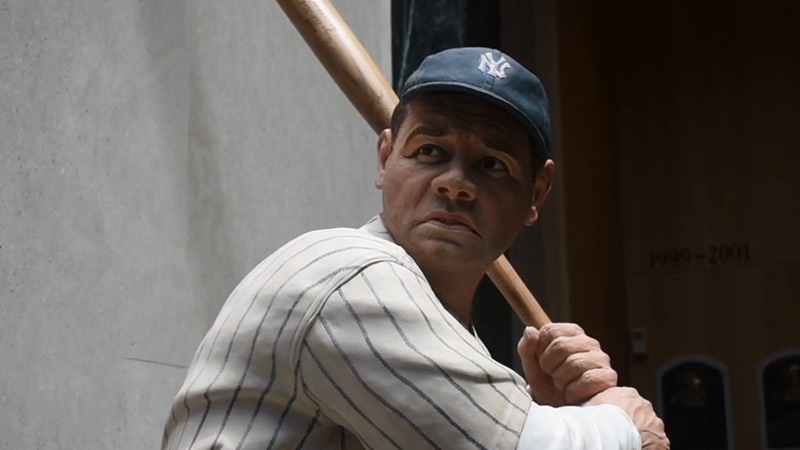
[455,183]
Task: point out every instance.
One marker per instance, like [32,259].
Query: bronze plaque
[693,405]
[781,387]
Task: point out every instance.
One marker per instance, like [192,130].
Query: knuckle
[547,330]
[556,342]
[546,339]
[606,378]
[577,361]
[560,344]
[554,330]
[556,347]
[572,329]
[630,390]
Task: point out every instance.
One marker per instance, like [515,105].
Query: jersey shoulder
[345,247]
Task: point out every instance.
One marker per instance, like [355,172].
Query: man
[351,339]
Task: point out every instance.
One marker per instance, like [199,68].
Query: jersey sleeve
[601,427]
[385,360]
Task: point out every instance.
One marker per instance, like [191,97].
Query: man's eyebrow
[503,144]
[499,143]
[496,140]
[427,129]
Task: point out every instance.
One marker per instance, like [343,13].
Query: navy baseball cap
[493,76]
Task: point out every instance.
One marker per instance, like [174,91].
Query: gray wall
[151,153]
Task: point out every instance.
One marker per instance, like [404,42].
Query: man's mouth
[452,222]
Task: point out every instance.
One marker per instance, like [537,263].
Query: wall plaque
[780,387]
[694,405]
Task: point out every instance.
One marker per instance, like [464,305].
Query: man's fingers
[640,410]
[589,384]
[563,365]
[655,440]
[576,365]
[552,331]
[529,341]
[562,347]
[540,383]
[527,353]
[526,348]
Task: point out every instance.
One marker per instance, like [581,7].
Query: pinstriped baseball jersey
[337,341]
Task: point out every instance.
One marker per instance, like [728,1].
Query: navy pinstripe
[348,399]
[380,398]
[252,398]
[431,360]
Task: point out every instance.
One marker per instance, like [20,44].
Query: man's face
[457,189]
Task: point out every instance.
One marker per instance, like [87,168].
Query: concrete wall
[151,153]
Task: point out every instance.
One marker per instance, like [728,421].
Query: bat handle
[516,293]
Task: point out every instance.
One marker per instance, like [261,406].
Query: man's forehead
[494,127]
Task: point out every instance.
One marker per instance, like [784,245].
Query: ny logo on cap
[494,68]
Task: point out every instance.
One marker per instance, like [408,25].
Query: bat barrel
[345,59]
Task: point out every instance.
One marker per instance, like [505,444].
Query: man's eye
[494,165]
[430,151]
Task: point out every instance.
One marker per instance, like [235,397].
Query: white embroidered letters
[494,68]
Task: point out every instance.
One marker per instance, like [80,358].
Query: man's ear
[541,189]
[384,150]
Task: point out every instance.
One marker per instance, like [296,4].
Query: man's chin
[450,252]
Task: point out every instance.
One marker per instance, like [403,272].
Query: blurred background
[153,152]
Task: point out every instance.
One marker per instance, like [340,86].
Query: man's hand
[650,427]
[564,366]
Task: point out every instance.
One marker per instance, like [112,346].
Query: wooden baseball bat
[356,74]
